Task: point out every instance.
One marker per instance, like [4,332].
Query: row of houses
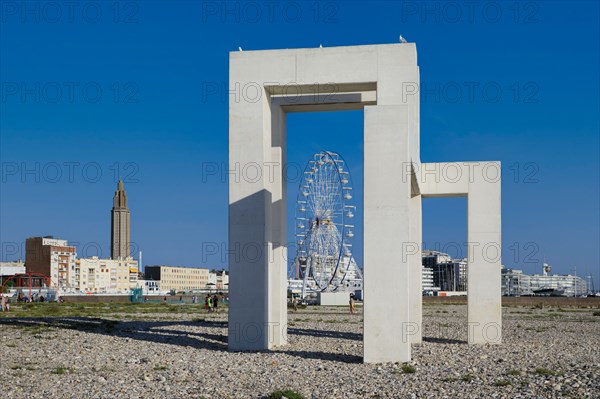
[57,260]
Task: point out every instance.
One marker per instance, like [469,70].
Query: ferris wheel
[324,228]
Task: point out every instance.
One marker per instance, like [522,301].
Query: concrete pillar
[257,226]
[277,302]
[415,264]
[484,254]
[250,227]
[386,231]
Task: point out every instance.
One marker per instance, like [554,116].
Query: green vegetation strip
[96,309]
[286,393]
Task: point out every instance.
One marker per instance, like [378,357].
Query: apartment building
[53,258]
[178,278]
[95,275]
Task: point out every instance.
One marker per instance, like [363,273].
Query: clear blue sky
[155,125]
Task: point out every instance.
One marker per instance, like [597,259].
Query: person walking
[352,304]
[294,303]
[215,300]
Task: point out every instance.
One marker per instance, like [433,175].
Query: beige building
[96,275]
[53,258]
[178,278]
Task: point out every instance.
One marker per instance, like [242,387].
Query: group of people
[32,298]
[5,302]
[211,303]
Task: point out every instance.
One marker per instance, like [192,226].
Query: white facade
[427,280]
[218,280]
[149,286]
[95,275]
[62,266]
[212,280]
[11,268]
[517,283]
[178,278]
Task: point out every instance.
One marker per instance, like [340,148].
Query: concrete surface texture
[383,80]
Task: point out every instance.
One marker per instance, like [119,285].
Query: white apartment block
[95,275]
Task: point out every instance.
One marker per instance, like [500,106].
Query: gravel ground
[548,352]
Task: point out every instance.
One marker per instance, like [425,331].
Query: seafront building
[218,279]
[149,287]
[428,285]
[443,275]
[95,275]
[517,283]
[178,278]
[52,257]
[448,274]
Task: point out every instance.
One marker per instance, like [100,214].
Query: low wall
[334,298]
[550,301]
[96,298]
[126,298]
[521,301]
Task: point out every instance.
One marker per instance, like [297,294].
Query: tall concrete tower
[120,244]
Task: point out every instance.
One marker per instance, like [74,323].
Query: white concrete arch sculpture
[383,80]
